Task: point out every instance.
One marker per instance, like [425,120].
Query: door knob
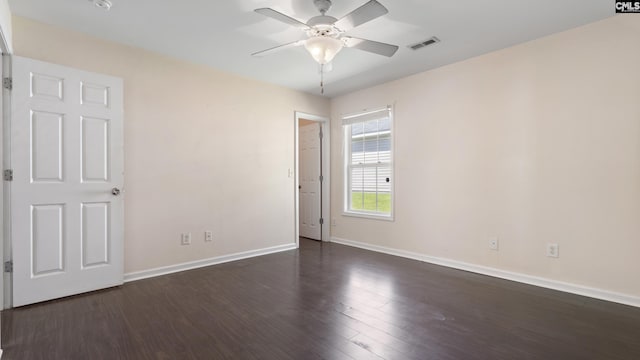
[115,191]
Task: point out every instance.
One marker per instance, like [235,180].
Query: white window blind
[368,160]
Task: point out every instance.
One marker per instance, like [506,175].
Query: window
[368,163]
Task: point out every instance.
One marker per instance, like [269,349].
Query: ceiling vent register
[431,41]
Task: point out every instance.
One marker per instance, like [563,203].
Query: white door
[67,161]
[309,174]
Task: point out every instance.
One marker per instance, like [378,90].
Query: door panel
[46,87]
[47,234]
[67,155]
[95,94]
[95,149]
[46,146]
[309,175]
[95,234]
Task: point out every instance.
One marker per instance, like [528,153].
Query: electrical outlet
[553,250]
[185,239]
[208,236]
[493,243]
[334,222]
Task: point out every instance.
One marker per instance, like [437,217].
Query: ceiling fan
[326,34]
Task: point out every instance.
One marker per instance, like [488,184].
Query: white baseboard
[503,274]
[144,274]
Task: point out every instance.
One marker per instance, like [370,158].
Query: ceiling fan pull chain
[321,78]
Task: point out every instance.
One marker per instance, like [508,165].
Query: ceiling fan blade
[370,46]
[281,17]
[278,48]
[365,13]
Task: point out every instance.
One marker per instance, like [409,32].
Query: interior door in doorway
[66,203]
[309,166]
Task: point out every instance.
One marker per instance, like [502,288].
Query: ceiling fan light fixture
[323,48]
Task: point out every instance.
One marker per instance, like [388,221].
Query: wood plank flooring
[323,301]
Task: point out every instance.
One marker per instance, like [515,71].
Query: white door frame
[5,111]
[5,214]
[326,173]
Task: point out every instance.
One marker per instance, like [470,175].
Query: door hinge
[8,266]
[8,175]
[7,83]
[321,221]
[321,178]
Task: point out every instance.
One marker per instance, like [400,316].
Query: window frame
[348,166]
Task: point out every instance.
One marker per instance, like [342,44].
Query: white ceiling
[222,33]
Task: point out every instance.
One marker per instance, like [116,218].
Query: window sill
[368,216]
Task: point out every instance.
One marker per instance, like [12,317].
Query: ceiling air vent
[420,45]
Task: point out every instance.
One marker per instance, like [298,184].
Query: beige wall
[536,143]
[204,150]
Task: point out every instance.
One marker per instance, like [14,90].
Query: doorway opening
[312,185]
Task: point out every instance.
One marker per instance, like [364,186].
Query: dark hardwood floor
[323,302]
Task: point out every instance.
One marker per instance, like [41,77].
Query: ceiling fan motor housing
[321,21]
[322,5]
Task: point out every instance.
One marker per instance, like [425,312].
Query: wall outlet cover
[494,243]
[553,250]
[185,239]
